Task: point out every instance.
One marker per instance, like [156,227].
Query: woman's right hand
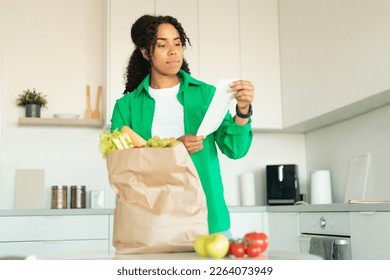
[192,142]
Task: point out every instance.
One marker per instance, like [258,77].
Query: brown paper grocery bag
[161,205]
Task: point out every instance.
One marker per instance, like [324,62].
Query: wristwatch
[244,116]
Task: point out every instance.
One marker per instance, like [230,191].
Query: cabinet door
[260,59]
[53,228]
[334,52]
[283,231]
[243,43]
[121,14]
[111,234]
[1,94]
[244,222]
[55,248]
[370,235]
[219,47]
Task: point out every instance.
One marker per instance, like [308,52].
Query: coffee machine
[282,184]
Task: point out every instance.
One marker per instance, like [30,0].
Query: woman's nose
[172,50]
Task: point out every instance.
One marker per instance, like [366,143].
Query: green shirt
[136,109]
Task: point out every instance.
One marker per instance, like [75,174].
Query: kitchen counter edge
[335,207]
[101,211]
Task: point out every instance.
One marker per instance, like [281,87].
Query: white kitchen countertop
[56,212]
[101,211]
[268,255]
[335,207]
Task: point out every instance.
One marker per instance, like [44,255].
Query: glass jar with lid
[78,197]
[59,197]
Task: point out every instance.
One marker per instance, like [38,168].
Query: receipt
[217,109]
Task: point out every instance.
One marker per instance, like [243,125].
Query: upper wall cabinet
[335,59]
[120,15]
[260,59]
[233,39]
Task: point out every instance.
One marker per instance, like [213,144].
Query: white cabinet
[121,14]
[111,234]
[367,233]
[27,248]
[244,222]
[333,54]
[370,235]
[283,230]
[230,39]
[260,60]
[219,45]
[243,43]
[25,235]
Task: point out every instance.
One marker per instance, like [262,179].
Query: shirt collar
[185,80]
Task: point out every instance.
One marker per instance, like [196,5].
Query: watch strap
[244,116]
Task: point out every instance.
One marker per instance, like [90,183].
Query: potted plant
[33,101]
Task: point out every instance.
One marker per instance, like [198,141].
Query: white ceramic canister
[320,187]
[247,189]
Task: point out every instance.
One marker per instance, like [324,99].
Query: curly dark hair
[144,35]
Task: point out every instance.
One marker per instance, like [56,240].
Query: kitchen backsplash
[332,147]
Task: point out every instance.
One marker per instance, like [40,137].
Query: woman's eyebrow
[165,39]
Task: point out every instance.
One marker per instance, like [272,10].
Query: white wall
[57,46]
[332,147]
[266,149]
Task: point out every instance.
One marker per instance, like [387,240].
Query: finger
[241,85]
[244,93]
[194,149]
[193,142]
[198,138]
[244,96]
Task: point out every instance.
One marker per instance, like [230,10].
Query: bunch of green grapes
[157,142]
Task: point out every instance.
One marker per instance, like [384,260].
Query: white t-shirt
[168,120]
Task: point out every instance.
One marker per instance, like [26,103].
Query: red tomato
[253,250]
[259,237]
[231,242]
[237,249]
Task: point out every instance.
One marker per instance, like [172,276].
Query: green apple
[200,245]
[217,245]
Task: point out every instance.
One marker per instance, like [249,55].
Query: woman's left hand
[245,92]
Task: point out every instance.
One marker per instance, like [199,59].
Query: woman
[161,98]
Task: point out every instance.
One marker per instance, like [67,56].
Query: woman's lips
[173,62]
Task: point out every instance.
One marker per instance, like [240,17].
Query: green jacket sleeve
[232,139]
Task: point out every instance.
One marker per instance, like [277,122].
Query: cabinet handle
[52,242]
[341,242]
[367,213]
[322,222]
[338,242]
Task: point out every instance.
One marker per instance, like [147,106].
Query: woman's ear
[145,53]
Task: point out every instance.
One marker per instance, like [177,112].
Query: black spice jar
[78,197]
[59,197]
